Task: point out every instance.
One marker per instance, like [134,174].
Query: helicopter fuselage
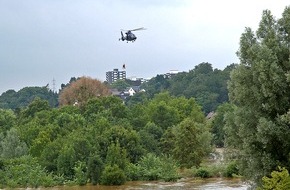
[128,37]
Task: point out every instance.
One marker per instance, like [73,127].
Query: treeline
[207,85]
[15,100]
[102,141]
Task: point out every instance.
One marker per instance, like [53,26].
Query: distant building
[171,73]
[137,79]
[112,76]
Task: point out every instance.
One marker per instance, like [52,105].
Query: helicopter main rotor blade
[142,28]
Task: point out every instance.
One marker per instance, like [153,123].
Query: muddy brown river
[183,184]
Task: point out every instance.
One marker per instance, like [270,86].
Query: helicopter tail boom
[122,38]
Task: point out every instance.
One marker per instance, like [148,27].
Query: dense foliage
[102,141]
[207,85]
[260,88]
[13,100]
[279,180]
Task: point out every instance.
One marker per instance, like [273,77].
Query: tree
[116,161]
[120,85]
[192,142]
[39,143]
[116,156]
[151,135]
[24,172]
[80,91]
[207,85]
[11,146]
[260,90]
[95,167]
[7,120]
[49,156]
[35,106]
[66,162]
[127,139]
[164,115]
[218,124]
[156,85]
[13,100]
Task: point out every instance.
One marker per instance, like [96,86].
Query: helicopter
[129,35]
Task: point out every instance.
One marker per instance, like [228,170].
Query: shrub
[25,172]
[202,172]
[150,167]
[231,169]
[213,170]
[279,180]
[169,169]
[113,175]
[132,172]
[80,173]
[95,167]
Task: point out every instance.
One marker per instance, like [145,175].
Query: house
[131,91]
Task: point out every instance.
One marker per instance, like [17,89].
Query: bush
[231,169]
[95,167]
[150,167]
[113,175]
[203,173]
[80,173]
[169,169]
[279,180]
[132,172]
[25,172]
[207,170]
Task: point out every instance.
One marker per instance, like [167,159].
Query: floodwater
[183,184]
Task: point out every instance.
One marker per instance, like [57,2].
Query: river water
[183,184]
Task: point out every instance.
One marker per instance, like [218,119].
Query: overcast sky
[42,40]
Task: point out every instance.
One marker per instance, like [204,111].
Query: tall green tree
[11,146]
[7,120]
[151,135]
[218,124]
[95,167]
[192,142]
[260,90]
[127,139]
[35,106]
[120,85]
[66,162]
[165,110]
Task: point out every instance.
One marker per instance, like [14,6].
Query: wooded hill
[207,85]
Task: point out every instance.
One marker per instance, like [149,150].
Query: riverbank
[184,184]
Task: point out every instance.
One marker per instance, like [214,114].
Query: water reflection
[185,184]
